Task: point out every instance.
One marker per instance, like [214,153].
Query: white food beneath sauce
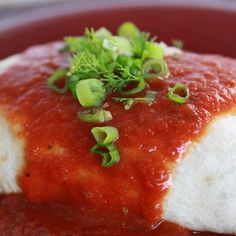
[11,148]
[4,64]
[203,195]
[11,158]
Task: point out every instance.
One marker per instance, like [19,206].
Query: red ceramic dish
[207,30]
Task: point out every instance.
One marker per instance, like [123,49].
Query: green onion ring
[155,68]
[73,80]
[110,158]
[90,92]
[95,115]
[153,50]
[128,30]
[105,135]
[57,75]
[140,86]
[177,98]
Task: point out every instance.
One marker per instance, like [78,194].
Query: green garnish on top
[101,64]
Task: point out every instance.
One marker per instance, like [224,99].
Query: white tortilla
[203,195]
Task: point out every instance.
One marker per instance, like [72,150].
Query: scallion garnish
[103,33]
[90,92]
[139,86]
[95,115]
[72,81]
[153,51]
[105,135]
[153,68]
[110,156]
[119,46]
[102,63]
[149,98]
[128,30]
[180,88]
[55,77]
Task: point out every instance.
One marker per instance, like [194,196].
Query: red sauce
[21,217]
[68,188]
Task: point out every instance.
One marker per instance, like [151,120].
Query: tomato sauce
[21,217]
[66,190]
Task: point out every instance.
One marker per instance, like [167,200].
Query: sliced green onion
[110,158]
[153,50]
[103,33]
[149,98]
[140,86]
[105,135]
[129,103]
[123,46]
[155,68]
[57,75]
[90,92]
[119,45]
[109,44]
[128,30]
[95,115]
[113,157]
[177,98]
[73,80]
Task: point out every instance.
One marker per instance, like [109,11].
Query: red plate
[209,28]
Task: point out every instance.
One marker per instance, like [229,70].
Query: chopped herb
[90,92]
[103,33]
[153,51]
[100,64]
[181,88]
[58,75]
[128,30]
[110,157]
[129,102]
[95,115]
[105,136]
[139,86]
[155,68]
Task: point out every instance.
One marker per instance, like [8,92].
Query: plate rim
[46,13]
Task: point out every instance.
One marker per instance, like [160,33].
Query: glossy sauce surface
[59,167]
[20,217]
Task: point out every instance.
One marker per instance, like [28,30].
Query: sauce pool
[20,217]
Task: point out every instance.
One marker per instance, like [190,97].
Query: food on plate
[122,130]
